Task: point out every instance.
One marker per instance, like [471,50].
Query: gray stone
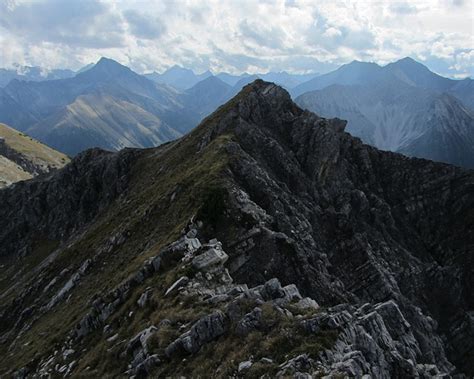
[245,365]
[272,290]
[307,303]
[145,368]
[176,285]
[210,258]
[292,292]
[145,296]
[249,322]
[202,332]
[113,338]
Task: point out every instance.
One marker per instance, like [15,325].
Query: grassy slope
[32,149]
[148,214]
[10,172]
[111,124]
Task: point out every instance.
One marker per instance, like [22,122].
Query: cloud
[403,8]
[85,23]
[237,36]
[143,26]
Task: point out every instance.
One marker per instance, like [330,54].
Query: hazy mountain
[464,91]
[183,79]
[32,73]
[204,97]
[21,157]
[230,79]
[411,120]
[85,68]
[267,241]
[416,74]
[285,79]
[406,71]
[400,107]
[349,74]
[107,106]
[178,77]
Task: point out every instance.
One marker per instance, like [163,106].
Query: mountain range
[107,106]
[265,242]
[400,107]
[183,79]
[29,73]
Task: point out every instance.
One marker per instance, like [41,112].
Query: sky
[238,36]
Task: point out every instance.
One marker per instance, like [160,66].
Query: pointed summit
[105,69]
[415,73]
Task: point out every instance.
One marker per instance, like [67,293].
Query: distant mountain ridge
[396,107]
[107,106]
[32,74]
[406,70]
[401,107]
[183,79]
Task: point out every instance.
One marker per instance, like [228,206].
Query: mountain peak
[266,91]
[408,62]
[109,63]
[105,68]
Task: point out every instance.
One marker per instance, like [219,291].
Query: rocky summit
[268,242]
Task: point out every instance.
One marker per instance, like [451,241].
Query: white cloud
[239,35]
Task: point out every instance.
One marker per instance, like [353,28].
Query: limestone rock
[211,257]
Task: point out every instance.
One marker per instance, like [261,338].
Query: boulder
[272,290]
[144,368]
[203,331]
[210,258]
[307,303]
[249,322]
[245,365]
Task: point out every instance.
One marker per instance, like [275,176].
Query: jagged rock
[249,322]
[145,296]
[291,292]
[272,290]
[211,257]
[307,303]
[203,331]
[139,342]
[68,352]
[145,368]
[301,363]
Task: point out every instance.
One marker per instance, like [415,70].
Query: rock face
[325,256]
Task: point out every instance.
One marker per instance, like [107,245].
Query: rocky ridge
[374,339]
[347,260]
